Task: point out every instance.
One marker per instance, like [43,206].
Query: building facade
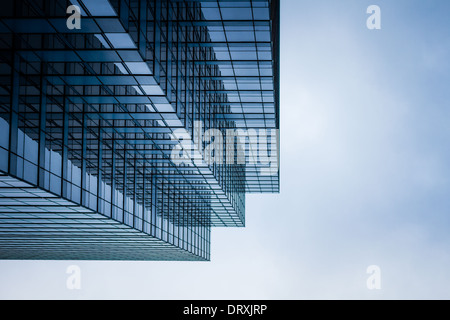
[130,128]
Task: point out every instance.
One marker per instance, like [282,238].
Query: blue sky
[365,169]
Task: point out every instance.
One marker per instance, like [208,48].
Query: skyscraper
[130,128]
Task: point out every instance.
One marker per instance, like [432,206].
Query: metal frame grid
[88,117]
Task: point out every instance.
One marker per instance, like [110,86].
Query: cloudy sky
[365,174]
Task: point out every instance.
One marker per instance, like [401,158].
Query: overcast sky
[365,168]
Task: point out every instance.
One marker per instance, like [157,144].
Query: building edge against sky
[89,112]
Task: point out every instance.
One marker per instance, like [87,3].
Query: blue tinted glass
[99,7]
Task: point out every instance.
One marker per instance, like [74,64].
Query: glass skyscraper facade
[130,128]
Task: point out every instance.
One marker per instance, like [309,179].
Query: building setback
[95,96]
